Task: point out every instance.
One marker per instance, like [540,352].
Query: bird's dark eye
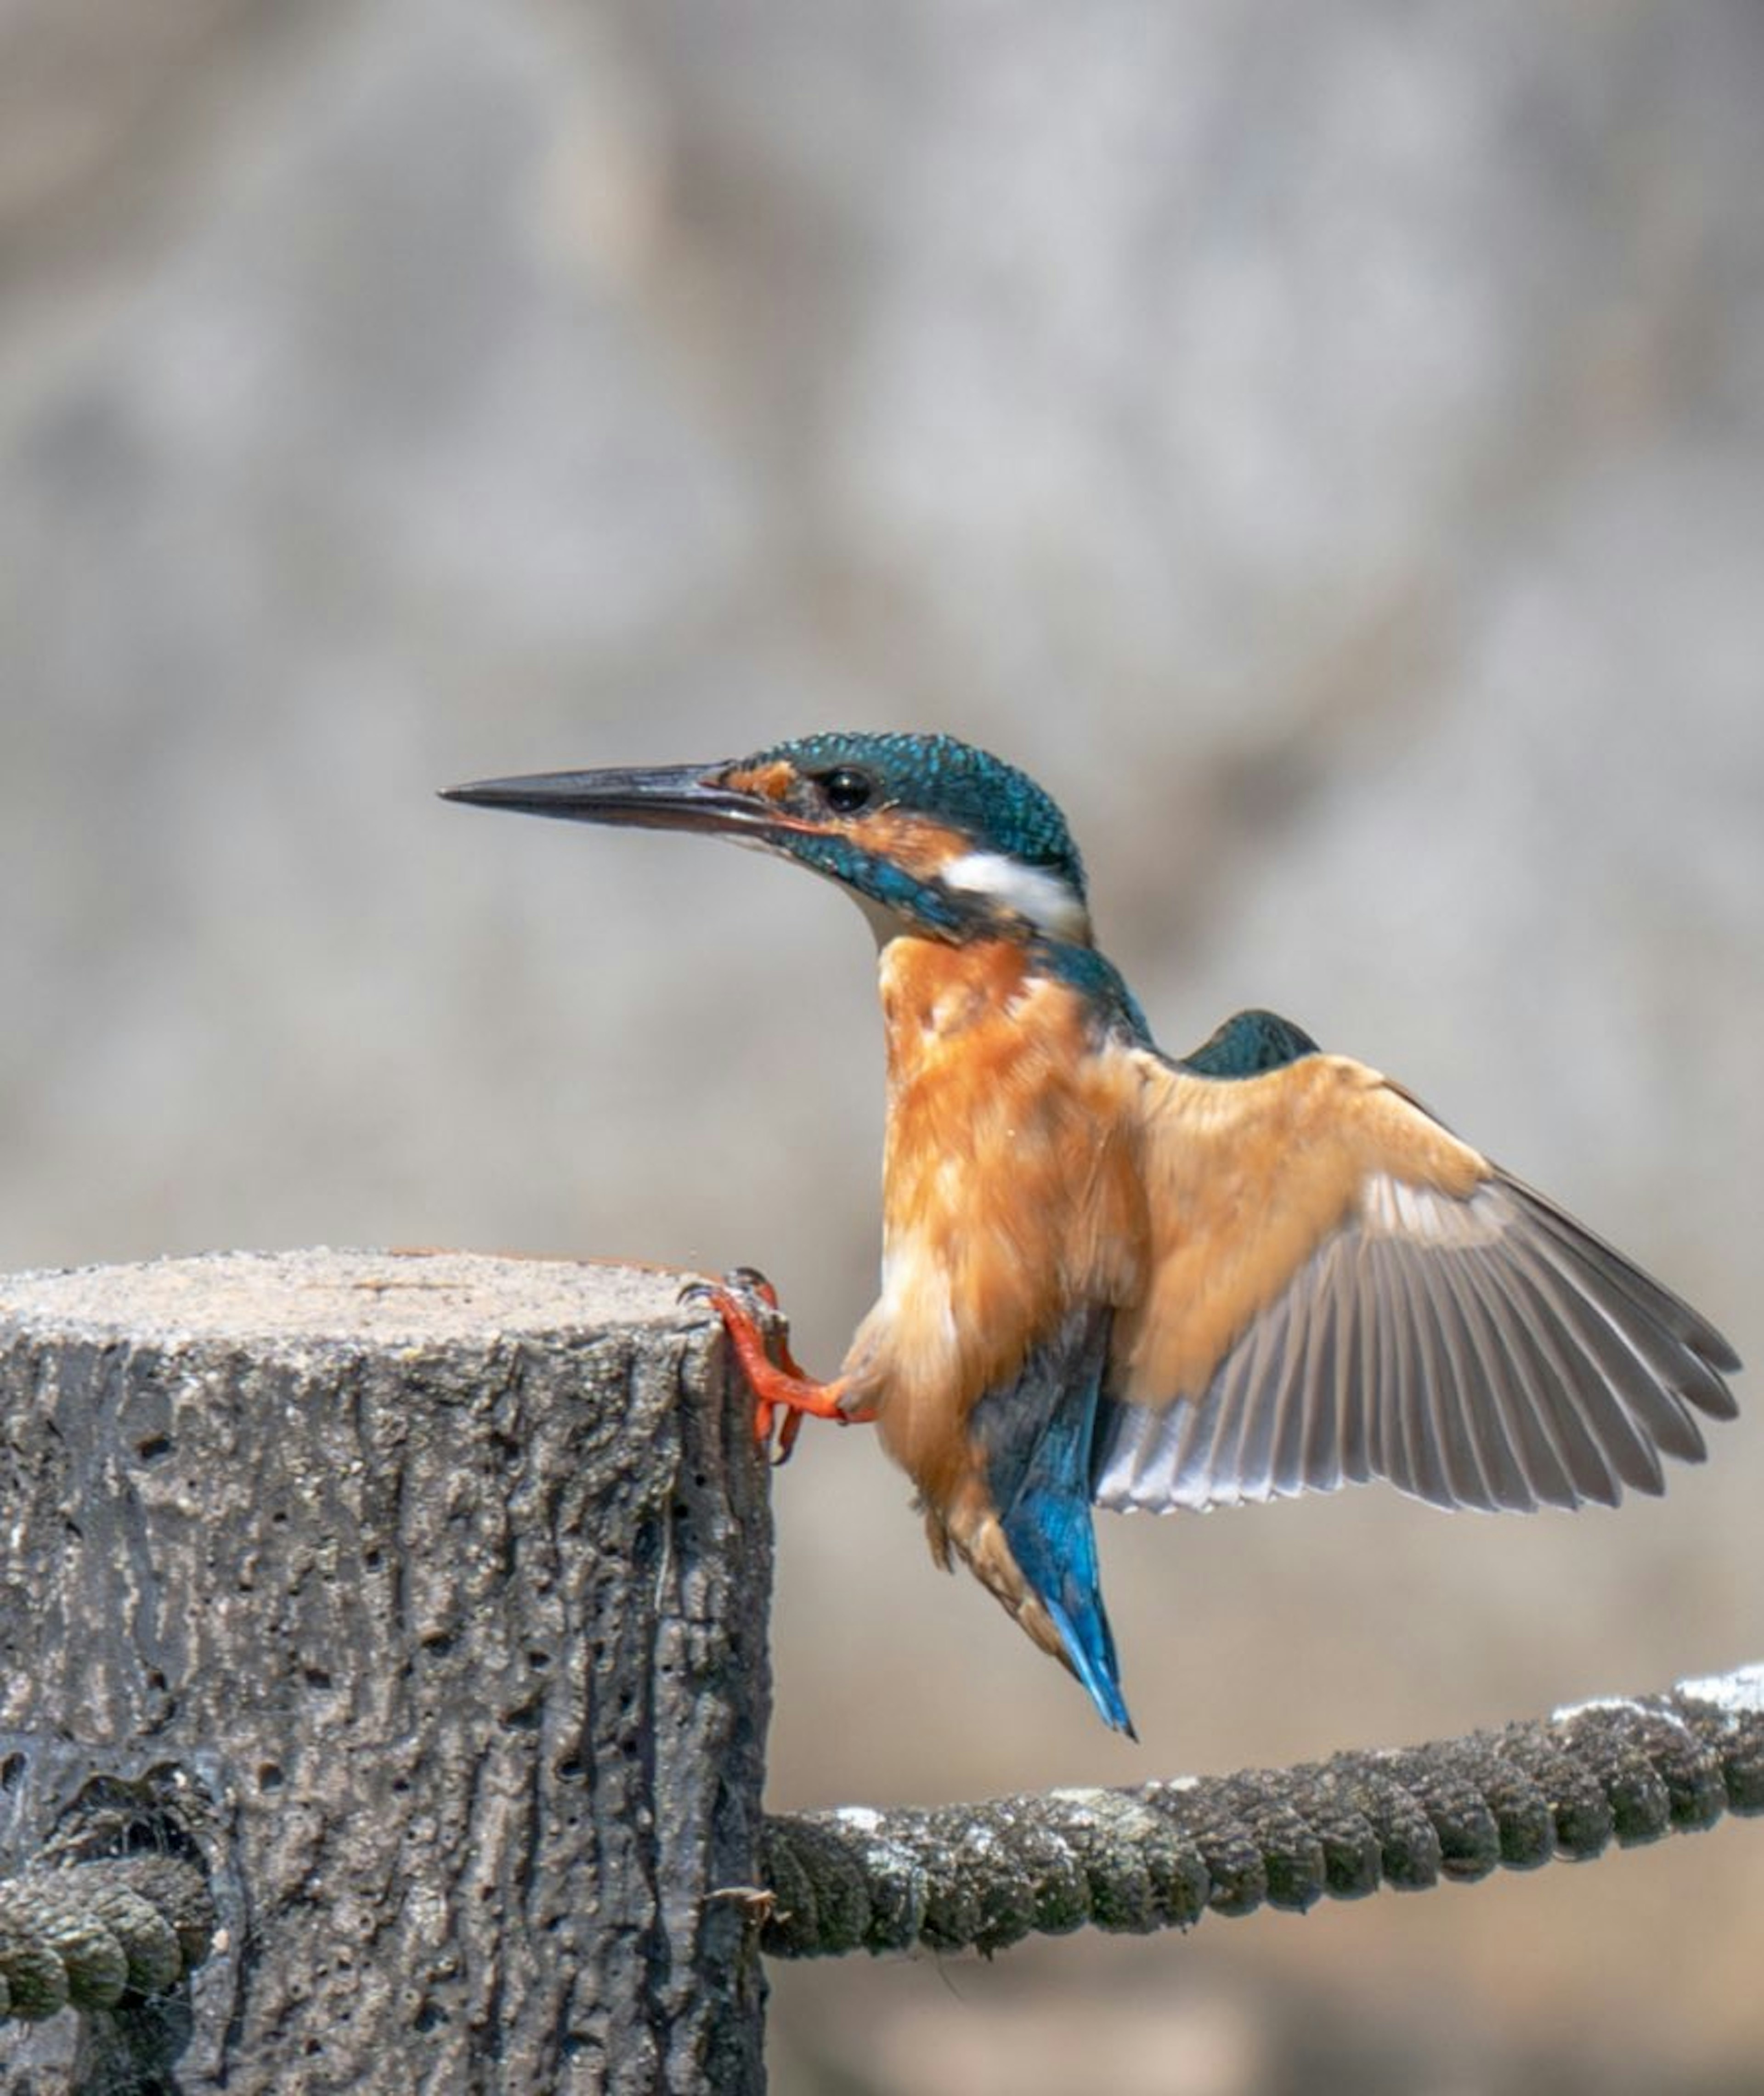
[847,789]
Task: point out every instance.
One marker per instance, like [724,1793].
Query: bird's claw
[747,1289]
[747,1303]
[751,1282]
[749,1294]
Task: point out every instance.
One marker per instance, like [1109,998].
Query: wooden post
[448,1577]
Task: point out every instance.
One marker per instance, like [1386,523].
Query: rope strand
[982,1876]
[82,1934]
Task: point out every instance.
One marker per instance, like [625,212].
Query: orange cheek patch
[922,848]
[770,782]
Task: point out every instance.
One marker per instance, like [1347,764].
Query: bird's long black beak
[681,797]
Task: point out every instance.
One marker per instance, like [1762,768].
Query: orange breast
[1010,1189]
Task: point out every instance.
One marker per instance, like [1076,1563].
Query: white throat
[1050,903]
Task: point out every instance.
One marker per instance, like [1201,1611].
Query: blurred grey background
[1324,444]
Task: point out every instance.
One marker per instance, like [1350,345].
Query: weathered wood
[448,1577]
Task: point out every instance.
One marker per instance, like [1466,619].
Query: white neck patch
[1047,901]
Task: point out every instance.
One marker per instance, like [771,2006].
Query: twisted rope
[82,1934]
[982,1876]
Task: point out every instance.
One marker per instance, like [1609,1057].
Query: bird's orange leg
[777,1385]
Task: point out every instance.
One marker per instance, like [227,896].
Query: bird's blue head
[932,836]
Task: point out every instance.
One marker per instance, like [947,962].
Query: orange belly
[1010,1190]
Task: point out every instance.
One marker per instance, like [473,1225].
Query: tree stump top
[440,1582]
[291,1300]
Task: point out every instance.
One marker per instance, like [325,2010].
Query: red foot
[780,1385]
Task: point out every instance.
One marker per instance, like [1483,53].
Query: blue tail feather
[1037,1436]
[1050,1532]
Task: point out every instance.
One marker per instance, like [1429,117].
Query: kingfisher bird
[1113,1277]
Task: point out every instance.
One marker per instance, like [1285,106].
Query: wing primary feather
[1373,1343]
[1289,1400]
[1189,1457]
[1607,1407]
[1558,1396]
[1447,1473]
[1448,1402]
[1156,1480]
[1649,1391]
[1509,1489]
[1224,1422]
[1660,1307]
[1150,1458]
[1285,1399]
[1252,1460]
[1353,1374]
[1552,1401]
[1399,1456]
[1316,1458]
[1120,1452]
[1393,1456]
[1260,1396]
[1251,1456]
[1540,1462]
[1412,1397]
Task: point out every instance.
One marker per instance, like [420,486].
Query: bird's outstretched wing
[1340,1290]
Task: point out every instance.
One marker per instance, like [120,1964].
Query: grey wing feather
[1487,1353]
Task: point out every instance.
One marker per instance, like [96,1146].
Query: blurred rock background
[1324,443]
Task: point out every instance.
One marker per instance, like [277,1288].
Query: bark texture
[442,1583]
